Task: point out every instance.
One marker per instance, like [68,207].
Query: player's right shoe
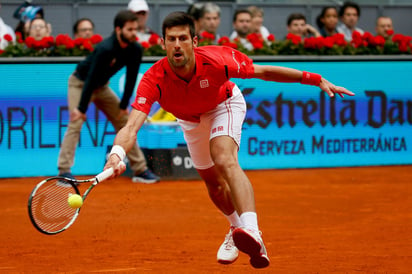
[251,243]
[227,252]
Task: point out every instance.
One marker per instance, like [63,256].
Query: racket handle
[106,173]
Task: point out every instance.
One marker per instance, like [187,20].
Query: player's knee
[224,161]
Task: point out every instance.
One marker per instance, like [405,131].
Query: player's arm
[124,141]
[289,75]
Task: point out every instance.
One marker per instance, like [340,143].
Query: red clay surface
[345,220]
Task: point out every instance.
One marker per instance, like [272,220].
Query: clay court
[343,220]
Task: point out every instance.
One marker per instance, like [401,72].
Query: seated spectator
[327,21]
[242,24]
[83,28]
[384,27]
[349,15]
[195,10]
[296,24]
[210,20]
[257,22]
[6,30]
[141,9]
[38,29]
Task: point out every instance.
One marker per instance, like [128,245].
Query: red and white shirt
[210,85]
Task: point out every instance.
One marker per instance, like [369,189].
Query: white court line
[113,270]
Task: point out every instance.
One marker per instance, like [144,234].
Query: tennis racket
[48,205]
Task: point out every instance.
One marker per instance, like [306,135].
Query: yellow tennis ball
[75,201]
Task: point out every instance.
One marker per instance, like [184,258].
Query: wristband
[312,79]
[119,151]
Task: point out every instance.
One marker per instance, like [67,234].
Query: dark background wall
[62,14]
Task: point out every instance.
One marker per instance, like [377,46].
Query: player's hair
[349,5]
[208,8]
[178,18]
[124,16]
[240,11]
[77,23]
[295,16]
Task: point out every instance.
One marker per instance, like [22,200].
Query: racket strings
[50,208]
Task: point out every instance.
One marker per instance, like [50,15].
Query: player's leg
[197,139]
[72,135]
[108,102]
[219,193]
[226,124]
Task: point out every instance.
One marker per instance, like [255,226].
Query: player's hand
[122,112]
[113,162]
[331,89]
[76,115]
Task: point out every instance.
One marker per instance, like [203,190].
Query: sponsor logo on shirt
[217,129]
[141,100]
[204,83]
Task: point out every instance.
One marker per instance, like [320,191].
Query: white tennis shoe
[228,252]
[251,243]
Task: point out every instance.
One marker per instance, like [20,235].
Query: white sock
[234,219]
[249,221]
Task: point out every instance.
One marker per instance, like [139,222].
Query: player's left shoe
[251,243]
[228,252]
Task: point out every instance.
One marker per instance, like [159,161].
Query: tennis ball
[75,201]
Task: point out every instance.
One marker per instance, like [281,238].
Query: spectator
[89,83]
[384,27]
[25,13]
[38,29]
[195,10]
[242,24]
[349,15]
[141,9]
[83,28]
[4,30]
[257,22]
[210,20]
[296,24]
[327,21]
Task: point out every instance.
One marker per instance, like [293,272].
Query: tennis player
[193,83]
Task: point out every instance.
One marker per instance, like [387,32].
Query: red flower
[254,37]
[62,39]
[145,44]
[154,39]
[1,51]
[29,42]
[403,47]
[390,32]
[87,45]
[79,41]
[296,39]
[257,44]
[328,41]
[207,35]
[340,39]
[8,37]
[230,44]
[379,41]
[223,40]
[96,38]
[310,43]
[271,37]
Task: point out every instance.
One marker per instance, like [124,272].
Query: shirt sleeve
[238,64]
[131,76]
[147,93]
